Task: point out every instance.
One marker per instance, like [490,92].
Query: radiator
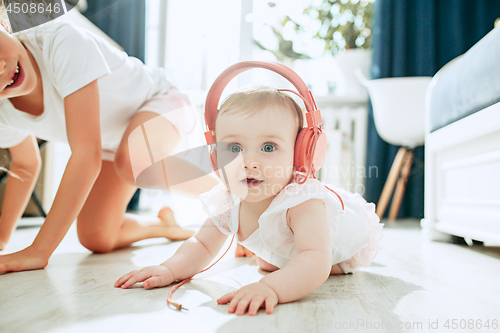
[345,126]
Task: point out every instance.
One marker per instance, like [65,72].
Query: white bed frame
[462,178]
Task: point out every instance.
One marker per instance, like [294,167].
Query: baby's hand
[253,297]
[153,277]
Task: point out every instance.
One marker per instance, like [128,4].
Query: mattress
[472,83]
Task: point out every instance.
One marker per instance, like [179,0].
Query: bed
[462,147]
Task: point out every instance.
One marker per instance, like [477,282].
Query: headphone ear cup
[300,148]
[304,140]
[320,151]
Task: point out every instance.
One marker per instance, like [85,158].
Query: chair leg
[401,185]
[390,182]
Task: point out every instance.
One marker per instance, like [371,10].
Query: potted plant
[345,24]
[345,29]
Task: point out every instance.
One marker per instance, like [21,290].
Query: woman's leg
[102,224]
[336,270]
[161,139]
[265,266]
[242,251]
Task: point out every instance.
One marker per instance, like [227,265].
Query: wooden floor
[412,284]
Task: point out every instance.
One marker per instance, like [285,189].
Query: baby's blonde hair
[258,98]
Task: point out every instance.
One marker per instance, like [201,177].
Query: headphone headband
[215,92]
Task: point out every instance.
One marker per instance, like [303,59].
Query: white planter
[347,62]
[316,73]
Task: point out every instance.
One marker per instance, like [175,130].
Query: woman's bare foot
[174,231]
[242,251]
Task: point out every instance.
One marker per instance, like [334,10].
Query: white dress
[355,230]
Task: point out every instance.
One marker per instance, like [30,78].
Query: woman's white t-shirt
[69,58]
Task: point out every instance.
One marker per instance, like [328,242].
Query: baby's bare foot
[173,231]
[242,251]
[2,246]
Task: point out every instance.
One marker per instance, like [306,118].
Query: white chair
[399,113]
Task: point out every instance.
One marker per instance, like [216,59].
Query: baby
[302,233]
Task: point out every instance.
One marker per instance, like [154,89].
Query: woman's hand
[152,277]
[24,260]
[253,297]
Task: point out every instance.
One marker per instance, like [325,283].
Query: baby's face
[257,152]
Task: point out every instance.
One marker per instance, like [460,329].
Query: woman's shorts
[174,107]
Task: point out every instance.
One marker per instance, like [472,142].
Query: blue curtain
[416,38]
[125,22]
[122,20]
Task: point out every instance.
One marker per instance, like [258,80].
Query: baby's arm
[191,257]
[313,263]
[302,275]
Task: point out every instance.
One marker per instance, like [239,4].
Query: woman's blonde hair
[4,18]
[255,99]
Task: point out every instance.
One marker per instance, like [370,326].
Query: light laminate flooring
[412,286]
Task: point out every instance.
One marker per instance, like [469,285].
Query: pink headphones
[310,146]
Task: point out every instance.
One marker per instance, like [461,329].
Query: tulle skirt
[365,256]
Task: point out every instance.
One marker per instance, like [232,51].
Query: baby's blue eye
[269,148]
[234,148]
